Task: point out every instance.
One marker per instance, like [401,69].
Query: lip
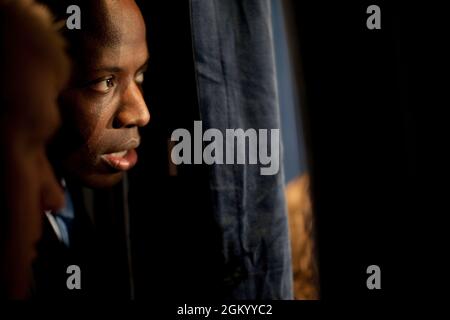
[124,159]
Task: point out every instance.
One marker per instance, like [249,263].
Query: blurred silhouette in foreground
[34,69]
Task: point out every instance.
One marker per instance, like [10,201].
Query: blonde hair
[24,24]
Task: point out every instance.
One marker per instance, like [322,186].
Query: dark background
[360,138]
[366,142]
[176,244]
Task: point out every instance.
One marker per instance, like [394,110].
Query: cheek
[22,178]
[25,197]
[90,117]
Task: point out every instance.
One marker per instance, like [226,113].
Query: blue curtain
[237,88]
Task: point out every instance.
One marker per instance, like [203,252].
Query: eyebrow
[145,65]
[114,69]
[109,69]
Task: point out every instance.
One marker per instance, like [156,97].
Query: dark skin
[103,106]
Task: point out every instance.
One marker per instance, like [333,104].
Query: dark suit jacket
[97,246]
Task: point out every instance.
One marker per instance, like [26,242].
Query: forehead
[113,23]
[114,30]
[128,55]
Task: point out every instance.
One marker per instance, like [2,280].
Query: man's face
[104,106]
[29,182]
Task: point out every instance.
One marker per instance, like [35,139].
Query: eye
[140,78]
[103,85]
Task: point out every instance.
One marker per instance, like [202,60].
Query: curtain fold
[236,80]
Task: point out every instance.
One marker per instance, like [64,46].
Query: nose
[52,195]
[133,111]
